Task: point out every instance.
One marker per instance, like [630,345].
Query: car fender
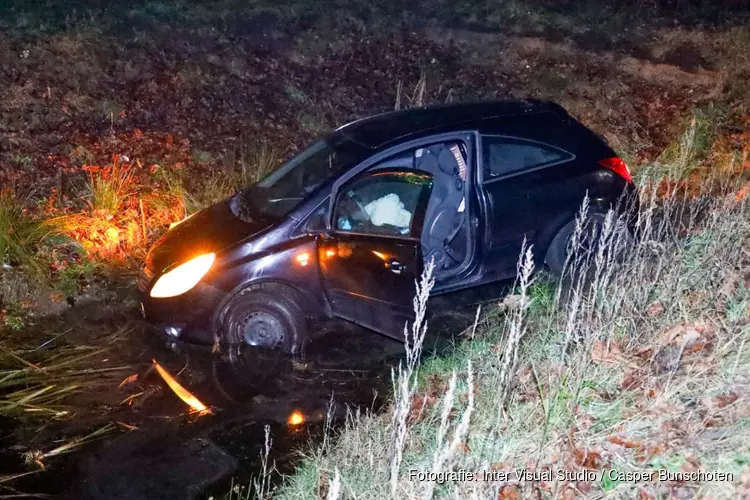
[309,304]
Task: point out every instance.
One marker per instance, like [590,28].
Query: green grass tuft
[20,235]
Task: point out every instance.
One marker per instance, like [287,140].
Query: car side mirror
[318,223]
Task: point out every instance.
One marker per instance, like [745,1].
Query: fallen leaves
[655,309]
[691,464]
[323,485]
[589,459]
[584,457]
[630,382]
[720,401]
[719,410]
[723,400]
[624,442]
[420,403]
[526,387]
[605,352]
[644,494]
[509,492]
[511,303]
[682,340]
[693,336]
[651,450]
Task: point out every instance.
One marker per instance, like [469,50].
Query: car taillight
[618,166]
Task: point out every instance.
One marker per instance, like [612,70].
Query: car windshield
[281,191]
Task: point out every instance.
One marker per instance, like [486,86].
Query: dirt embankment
[194,91]
[195,102]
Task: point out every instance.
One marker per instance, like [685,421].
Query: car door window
[387,203]
[502,155]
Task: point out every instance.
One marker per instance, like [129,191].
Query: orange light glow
[181,392]
[344,250]
[330,253]
[379,255]
[113,236]
[296,418]
[303,259]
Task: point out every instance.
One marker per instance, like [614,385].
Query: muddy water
[246,391]
[172,454]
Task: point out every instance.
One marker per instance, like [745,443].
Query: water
[173,454]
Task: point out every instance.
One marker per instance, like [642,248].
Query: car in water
[344,228]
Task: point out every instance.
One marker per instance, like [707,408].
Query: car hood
[209,230]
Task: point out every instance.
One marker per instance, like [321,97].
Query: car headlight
[183,277]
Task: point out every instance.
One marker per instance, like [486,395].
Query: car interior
[385,204]
[445,235]
[381,204]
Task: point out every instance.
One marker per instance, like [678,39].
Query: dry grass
[109,188]
[35,379]
[126,210]
[235,170]
[113,223]
[634,365]
[39,381]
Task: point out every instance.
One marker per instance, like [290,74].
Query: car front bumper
[189,316]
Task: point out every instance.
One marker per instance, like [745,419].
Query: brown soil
[164,93]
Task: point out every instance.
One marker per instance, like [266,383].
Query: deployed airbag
[388,210]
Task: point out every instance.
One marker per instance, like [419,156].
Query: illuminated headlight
[184,277]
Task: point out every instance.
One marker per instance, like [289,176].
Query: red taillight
[618,166]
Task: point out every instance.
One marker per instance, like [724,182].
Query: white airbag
[388,210]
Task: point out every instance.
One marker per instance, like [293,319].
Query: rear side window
[505,155]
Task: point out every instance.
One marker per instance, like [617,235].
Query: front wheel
[265,319]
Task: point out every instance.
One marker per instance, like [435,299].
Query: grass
[35,379]
[40,377]
[126,209]
[109,188]
[615,20]
[237,169]
[640,366]
[20,236]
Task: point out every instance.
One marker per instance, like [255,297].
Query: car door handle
[395,267]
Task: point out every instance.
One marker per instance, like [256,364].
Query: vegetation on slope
[639,368]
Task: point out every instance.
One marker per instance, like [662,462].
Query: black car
[342,230]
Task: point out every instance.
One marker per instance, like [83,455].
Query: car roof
[380,130]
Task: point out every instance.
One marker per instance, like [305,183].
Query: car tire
[263,318]
[558,249]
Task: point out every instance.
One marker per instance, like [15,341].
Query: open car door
[371,257]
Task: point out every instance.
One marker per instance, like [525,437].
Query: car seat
[442,218]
